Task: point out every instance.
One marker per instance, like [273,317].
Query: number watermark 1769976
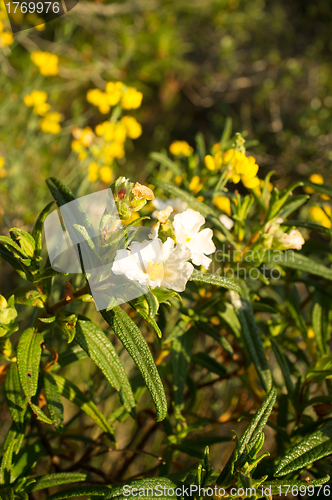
[33,13]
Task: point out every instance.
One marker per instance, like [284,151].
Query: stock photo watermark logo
[75,237]
[29,14]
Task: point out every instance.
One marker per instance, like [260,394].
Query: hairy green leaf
[82,491]
[28,359]
[39,414]
[295,260]
[214,279]
[49,480]
[312,448]
[53,399]
[13,394]
[7,493]
[99,348]
[129,334]
[321,316]
[252,338]
[6,463]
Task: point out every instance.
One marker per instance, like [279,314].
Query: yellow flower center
[155,270]
[188,239]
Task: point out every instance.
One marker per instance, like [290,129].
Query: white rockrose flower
[153,263]
[226,221]
[186,227]
[177,204]
[293,240]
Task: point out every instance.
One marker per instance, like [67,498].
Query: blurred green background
[265,64]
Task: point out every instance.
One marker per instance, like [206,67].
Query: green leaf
[321,316]
[214,279]
[145,483]
[28,359]
[129,334]
[204,360]
[49,480]
[308,225]
[53,399]
[249,440]
[293,204]
[40,415]
[38,228]
[319,188]
[252,338]
[69,391]
[181,354]
[25,240]
[6,463]
[295,260]
[253,432]
[321,370]
[29,296]
[312,448]
[284,486]
[13,394]
[82,491]
[99,348]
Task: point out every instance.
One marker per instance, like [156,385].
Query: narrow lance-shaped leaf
[28,359]
[181,353]
[39,414]
[69,391]
[97,345]
[312,448]
[6,463]
[53,399]
[26,460]
[129,334]
[297,261]
[49,480]
[214,279]
[252,338]
[38,228]
[13,394]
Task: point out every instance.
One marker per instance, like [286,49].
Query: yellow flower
[132,99]
[243,168]
[106,174]
[195,184]
[2,162]
[318,215]
[223,203]
[76,146]
[178,148]
[120,133]
[93,172]
[37,99]
[113,91]
[133,128]
[47,62]
[6,39]
[213,162]
[50,123]
[316,179]
[84,136]
[178,180]
[114,150]
[98,99]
